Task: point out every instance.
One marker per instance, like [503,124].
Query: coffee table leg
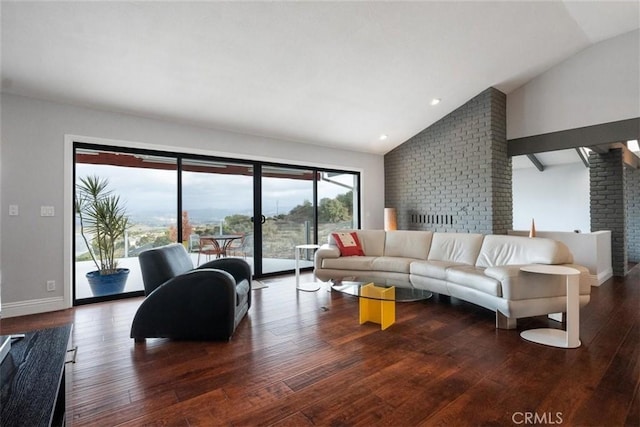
[376,310]
[388,314]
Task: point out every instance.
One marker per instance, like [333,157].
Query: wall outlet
[51,285]
[47,211]
[13,210]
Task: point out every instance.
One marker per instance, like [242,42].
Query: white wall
[557,198]
[598,85]
[35,165]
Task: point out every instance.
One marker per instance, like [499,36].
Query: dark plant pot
[107,284]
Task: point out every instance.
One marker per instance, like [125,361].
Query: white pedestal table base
[309,286]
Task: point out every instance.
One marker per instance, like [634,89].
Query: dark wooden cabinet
[33,377]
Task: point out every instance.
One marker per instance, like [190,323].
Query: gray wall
[35,166]
[632,179]
[455,175]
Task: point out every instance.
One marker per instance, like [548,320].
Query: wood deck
[301,359]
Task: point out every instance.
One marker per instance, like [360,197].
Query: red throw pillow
[348,243]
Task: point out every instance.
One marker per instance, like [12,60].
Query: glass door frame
[257,200]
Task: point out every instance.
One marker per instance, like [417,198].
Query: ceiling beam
[535,162]
[583,156]
[600,149]
[605,133]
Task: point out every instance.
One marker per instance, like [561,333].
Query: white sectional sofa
[482,269]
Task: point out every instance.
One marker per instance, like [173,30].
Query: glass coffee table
[378,297]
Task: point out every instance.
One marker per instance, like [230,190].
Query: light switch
[13,210]
[47,211]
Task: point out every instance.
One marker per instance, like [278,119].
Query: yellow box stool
[377,305]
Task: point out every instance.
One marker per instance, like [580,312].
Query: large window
[261,211]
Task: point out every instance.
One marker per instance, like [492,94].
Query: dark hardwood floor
[301,359]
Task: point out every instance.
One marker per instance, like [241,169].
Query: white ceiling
[331,73]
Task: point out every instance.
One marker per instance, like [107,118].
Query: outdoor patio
[134,282]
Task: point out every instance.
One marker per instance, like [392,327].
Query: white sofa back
[515,250]
[408,244]
[465,248]
[456,247]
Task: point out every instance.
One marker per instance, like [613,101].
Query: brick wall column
[632,180]
[608,203]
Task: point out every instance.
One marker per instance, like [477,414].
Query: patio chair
[209,246]
[194,243]
[243,248]
[205,303]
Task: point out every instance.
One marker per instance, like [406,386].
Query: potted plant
[103,222]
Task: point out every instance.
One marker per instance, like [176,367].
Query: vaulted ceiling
[339,74]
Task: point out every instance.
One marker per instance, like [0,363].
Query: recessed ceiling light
[633,145]
[435,101]
[383,137]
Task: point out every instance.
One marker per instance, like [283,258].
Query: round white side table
[557,337]
[310,286]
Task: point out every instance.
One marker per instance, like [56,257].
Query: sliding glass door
[215,207]
[289,211]
[302,206]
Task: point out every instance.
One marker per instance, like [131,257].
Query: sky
[155,190]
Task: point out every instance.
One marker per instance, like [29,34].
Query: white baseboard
[24,308]
[602,277]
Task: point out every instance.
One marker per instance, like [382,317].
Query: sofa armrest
[325,251]
[237,267]
[519,285]
[197,305]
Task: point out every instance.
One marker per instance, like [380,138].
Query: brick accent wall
[633,213]
[608,203]
[455,175]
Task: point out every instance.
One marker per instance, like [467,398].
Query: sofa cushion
[517,250]
[348,243]
[349,263]
[435,269]
[396,264]
[456,247]
[474,277]
[408,244]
